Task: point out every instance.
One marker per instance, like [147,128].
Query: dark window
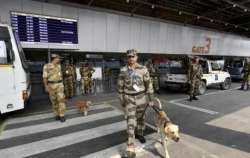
[6,56]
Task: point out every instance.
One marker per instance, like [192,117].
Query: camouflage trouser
[86,85]
[56,96]
[155,81]
[134,108]
[69,87]
[246,80]
[194,87]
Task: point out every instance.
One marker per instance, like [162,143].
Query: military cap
[55,56]
[132,52]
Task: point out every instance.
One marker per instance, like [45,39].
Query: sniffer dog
[165,127]
[83,106]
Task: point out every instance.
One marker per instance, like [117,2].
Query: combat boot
[241,88]
[57,118]
[62,119]
[190,98]
[140,138]
[247,87]
[195,98]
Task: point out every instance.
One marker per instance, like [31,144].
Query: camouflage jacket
[86,72]
[134,81]
[194,72]
[246,69]
[152,71]
[52,72]
[68,71]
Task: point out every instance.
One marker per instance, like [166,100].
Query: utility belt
[135,94]
[53,82]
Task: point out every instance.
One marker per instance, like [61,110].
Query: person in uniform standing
[194,77]
[91,71]
[153,75]
[68,80]
[134,85]
[74,78]
[53,83]
[246,75]
[86,78]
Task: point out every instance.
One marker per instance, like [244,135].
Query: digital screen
[33,28]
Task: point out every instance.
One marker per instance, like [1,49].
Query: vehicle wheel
[202,88]
[226,84]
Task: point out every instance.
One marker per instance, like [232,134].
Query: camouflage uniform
[246,76]
[74,78]
[53,75]
[68,80]
[194,77]
[153,75]
[86,79]
[133,86]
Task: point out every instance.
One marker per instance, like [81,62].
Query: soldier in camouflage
[91,71]
[134,85]
[86,78]
[246,75]
[194,77]
[153,75]
[68,80]
[52,79]
[74,78]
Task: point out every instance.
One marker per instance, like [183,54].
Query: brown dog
[83,107]
[164,125]
[166,128]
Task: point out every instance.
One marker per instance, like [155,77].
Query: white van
[14,75]
[212,75]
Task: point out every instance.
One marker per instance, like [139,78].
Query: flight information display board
[33,28]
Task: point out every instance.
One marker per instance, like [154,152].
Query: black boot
[247,87]
[57,118]
[195,98]
[241,88]
[129,154]
[190,98]
[62,119]
[140,138]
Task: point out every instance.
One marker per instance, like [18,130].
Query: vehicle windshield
[237,64]
[177,67]
[20,51]
[215,66]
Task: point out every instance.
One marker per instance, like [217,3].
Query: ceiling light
[245,10]
[236,26]
[226,24]
[246,29]
[235,5]
[153,6]
[127,1]
[180,12]
[198,17]
[211,20]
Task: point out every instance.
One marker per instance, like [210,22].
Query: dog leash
[154,107]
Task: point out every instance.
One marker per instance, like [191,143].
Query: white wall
[108,32]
